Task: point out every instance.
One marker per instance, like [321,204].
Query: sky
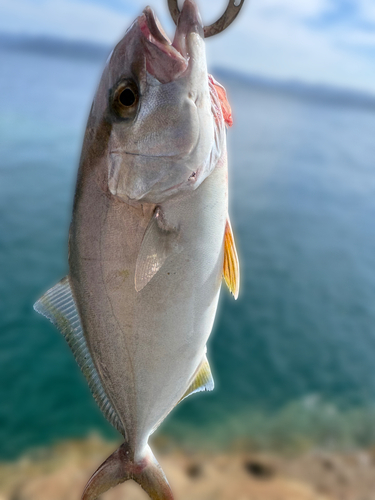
[329,42]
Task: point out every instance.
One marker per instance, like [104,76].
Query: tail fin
[120,467]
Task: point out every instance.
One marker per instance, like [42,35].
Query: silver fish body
[146,345]
[149,241]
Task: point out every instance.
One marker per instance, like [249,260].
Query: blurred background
[294,358]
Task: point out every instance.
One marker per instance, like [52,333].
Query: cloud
[63,18]
[366,9]
[291,9]
[312,41]
[322,41]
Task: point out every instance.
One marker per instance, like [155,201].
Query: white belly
[146,345]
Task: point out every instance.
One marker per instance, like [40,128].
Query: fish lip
[154,34]
[154,26]
[189,22]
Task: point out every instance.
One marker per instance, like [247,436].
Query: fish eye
[125,99]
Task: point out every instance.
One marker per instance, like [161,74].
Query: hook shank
[220,25]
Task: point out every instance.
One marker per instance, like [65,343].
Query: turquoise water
[297,348]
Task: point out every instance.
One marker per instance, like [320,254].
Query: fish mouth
[166,60]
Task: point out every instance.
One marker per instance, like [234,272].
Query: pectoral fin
[231,268]
[59,307]
[159,242]
[202,379]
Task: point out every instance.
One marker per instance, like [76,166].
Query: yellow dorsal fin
[231,268]
[202,379]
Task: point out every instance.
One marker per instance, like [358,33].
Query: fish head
[155,96]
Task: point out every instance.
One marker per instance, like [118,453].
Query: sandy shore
[61,472]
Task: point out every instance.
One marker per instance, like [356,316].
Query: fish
[150,240]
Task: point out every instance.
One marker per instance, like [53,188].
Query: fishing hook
[220,25]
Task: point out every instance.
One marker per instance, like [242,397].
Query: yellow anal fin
[231,268]
[201,381]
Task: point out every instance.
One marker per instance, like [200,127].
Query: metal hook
[221,24]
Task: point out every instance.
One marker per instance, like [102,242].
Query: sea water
[294,357]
